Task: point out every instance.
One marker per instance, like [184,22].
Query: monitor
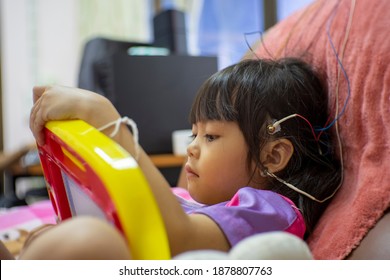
[157,93]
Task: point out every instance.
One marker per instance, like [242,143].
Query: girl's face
[217,162]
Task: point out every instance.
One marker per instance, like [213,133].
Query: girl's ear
[276,154]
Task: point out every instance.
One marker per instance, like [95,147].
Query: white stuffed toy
[265,246]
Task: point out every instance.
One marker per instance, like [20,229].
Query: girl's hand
[65,103]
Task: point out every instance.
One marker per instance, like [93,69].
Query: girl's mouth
[190,172]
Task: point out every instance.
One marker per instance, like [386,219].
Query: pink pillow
[364,125]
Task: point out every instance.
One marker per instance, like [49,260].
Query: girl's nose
[193,149]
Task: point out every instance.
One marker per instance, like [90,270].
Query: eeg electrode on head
[276,127]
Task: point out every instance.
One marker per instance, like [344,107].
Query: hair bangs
[214,101]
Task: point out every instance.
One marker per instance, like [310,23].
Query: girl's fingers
[37,122]
[64,103]
[38,91]
[37,129]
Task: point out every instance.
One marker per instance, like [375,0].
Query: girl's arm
[185,232]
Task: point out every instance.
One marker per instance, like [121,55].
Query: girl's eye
[210,138]
[192,136]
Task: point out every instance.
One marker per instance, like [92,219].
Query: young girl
[259,161]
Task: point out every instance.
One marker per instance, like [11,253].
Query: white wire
[132,124]
[291,186]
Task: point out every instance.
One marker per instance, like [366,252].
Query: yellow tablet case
[87,173]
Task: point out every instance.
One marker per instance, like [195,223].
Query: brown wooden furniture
[17,170]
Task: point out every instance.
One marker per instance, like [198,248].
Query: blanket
[348,42]
[17,222]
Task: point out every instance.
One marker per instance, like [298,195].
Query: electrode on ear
[273,128]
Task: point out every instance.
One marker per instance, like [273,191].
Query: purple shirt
[249,212]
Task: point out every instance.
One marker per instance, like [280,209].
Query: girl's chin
[193,193]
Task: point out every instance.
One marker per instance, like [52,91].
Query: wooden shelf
[160,160]
[167,160]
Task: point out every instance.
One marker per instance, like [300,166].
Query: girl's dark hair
[254,93]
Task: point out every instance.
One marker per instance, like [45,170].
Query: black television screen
[157,93]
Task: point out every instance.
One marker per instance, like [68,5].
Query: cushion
[356,34]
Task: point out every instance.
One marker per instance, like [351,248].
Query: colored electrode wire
[275,127]
[338,115]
